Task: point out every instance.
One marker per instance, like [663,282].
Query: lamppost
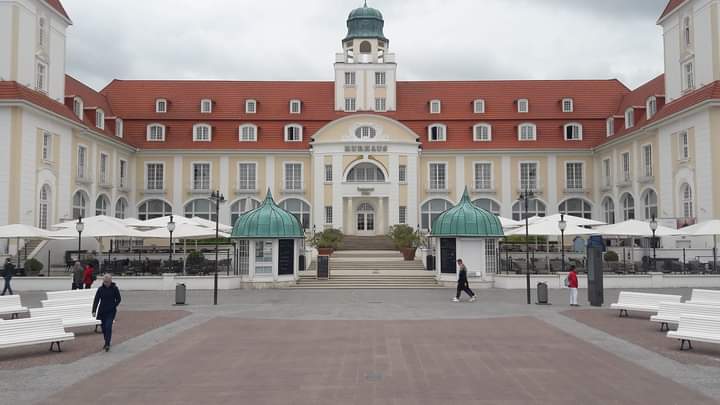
[218,198]
[653,228]
[525,197]
[79,227]
[562,224]
[171,229]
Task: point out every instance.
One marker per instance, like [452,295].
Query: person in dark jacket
[8,273]
[88,276]
[462,284]
[107,299]
[77,276]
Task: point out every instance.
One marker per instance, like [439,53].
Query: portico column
[381,215]
[349,229]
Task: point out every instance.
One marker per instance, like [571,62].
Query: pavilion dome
[467,220]
[365,22]
[268,221]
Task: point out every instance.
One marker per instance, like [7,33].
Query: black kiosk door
[286,257]
[447,255]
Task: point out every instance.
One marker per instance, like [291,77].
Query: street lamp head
[562,224]
[653,224]
[80,226]
[171,225]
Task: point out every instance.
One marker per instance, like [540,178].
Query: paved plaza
[365,347]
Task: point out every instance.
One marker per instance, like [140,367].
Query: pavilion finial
[269,196]
[365,4]
[465,195]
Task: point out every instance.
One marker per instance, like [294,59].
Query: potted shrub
[406,240]
[194,262]
[611,256]
[33,267]
[327,241]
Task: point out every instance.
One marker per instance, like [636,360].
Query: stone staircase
[368,269]
[380,242]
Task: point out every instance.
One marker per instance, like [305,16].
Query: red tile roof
[671,6]
[91,101]
[58,7]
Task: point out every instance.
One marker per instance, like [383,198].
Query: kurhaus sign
[365,148]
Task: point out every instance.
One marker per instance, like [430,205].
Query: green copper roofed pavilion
[268,221]
[365,22]
[467,220]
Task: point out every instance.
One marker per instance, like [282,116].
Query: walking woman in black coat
[108,298]
[462,284]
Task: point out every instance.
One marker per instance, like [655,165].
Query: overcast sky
[297,39]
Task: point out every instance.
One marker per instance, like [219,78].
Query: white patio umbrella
[183,231]
[705,228]
[134,222]
[161,222]
[570,219]
[20,231]
[97,229]
[211,224]
[548,228]
[507,223]
[635,228]
[90,220]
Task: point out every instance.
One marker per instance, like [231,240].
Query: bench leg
[664,326]
[682,344]
[14,316]
[623,311]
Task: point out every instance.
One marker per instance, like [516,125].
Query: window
[647,160]
[488,205]
[102,205]
[328,174]
[100,118]
[402,215]
[46,147]
[247,133]
[686,199]
[379,79]
[576,207]
[479,106]
[250,106]
[350,104]
[482,133]
[78,107]
[573,132]
[483,176]
[103,169]
[349,79]
[42,38]
[527,132]
[574,176]
[606,173]
[293,133]
[154,177]
[293,176]
[299,208]
[689,76]
[628,206]
[80,200]
[44,208]
[523,106]
[295,107]
[684,149]
[431,210]
[686,32]
[436,133]
[365,173]
[567,105]
[206,106]
[328,215]
[536,208]
[41,77]
[651,107]
[629,118]
[242,206]
[153,209]
[201,208]
[123,174]
[247,176]
[402,174]
[528,176]
[156,133]
[118,127]
[438,176]
[610,127]
[121,208]
[263,257]
[161,105]
[82,162]
[380,104]
[200,177]
[365,132]
[626,167]
[202,133]
[650,200]
[435,107]
[608,206]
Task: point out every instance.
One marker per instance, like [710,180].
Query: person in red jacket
[573,286]
[88,276]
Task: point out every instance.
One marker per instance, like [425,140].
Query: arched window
[365,173]
[202,208]
[649,200]
[299,208]
[365,132]
[488,205]
[629,118]
[686,201]
[365,47]
[44,208]
[78,107]
[247,133]
[573,132]
[576,207]
[242,206]
[102,204]
[431,210]
[651,107]
[156,132]
[536,208]
[437,133]
[80,202]
[293,133]
[482,133]
[100,118]
[627,201]
[608,206]
[121,208]
[527,132]
[153,209]
[202,133]
[161,105]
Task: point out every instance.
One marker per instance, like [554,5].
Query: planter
[325,251]
[408,253]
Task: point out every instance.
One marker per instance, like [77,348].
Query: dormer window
[250,106]
[527,132]
[293,133]
[118,127]
[651,107]
[206,106]
[437,133]
[100,118]
[610,126]
[523,105]
[202,133]
[161,105]
[482,133]
[573,132]
[155,133]
[295,107]
[629,118]
[435,106]
[247,133]
[568,105]
[479,106]
[78,107]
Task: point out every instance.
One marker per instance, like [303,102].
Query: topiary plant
[611,256]
[33,267]
[195,258]
[327,239]
[404,236]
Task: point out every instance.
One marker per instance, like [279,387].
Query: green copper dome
[365,22]
[268,221]
[467,219]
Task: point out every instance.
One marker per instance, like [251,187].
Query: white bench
[67,302]
[11,305]
[696,328]
[68,294]
[31,331]
[641,302]
[670,312]
[72,316]
[705,297]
